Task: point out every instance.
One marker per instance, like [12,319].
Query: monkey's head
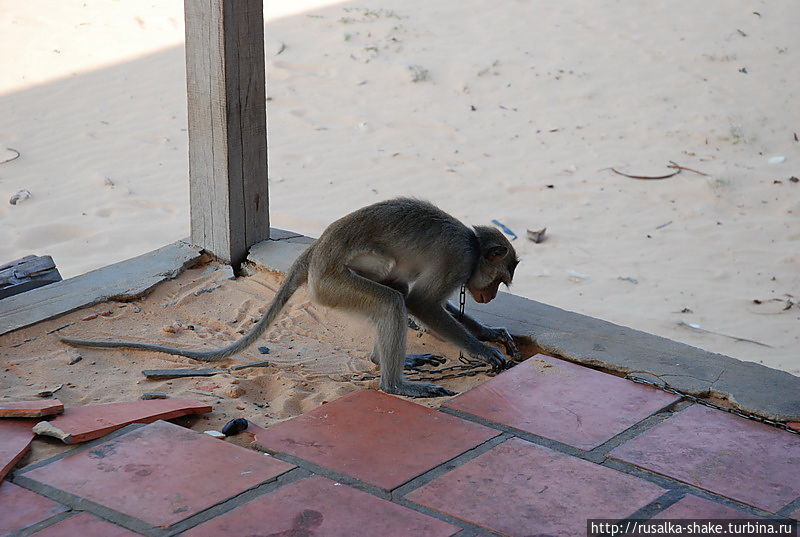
[496,264]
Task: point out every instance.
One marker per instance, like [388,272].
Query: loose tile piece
[30,409]
[84,423]
[160,473]
[694,507]
[21,508]
[748,461]
[374,437]
[562,401]
[322,508]
[521,489]
[15,441]
[84,525]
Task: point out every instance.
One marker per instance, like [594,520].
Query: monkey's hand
[498,334]
[492,356]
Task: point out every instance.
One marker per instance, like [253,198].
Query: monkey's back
[407,230]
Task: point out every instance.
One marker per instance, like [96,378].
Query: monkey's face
[496,265]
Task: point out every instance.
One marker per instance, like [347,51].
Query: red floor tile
[732,456]
[521,489]
[30,409]
[160,473]
[694,507]
[319,507]
[375,437]
[84,525]
[84,423]
[21,508]
[15,441]
[562,401]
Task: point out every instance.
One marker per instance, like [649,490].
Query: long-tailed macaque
[382,262]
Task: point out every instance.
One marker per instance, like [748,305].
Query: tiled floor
[21,508]
[375,437]
[160,473]
[737,458]
[518,487]
[562,401]
[374,464]
[319,506]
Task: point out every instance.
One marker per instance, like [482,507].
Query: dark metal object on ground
[235,426]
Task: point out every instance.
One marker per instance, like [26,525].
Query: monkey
[382,262]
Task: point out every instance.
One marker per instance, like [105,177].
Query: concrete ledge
[751,387]
[125,280]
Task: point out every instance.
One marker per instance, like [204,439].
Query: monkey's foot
[418,389]
[415,361]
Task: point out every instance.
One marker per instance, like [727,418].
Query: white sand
[92,95]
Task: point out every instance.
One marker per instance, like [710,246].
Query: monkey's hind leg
[385,307]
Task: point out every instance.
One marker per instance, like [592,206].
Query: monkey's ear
[496,252]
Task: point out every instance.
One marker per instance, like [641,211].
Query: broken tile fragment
[15,441]
[562,401]
[21,508]
[160,473]
[375,437]
[321,507]
[521,489]
[742,459]
[30,409]
[84,423]
[84,525]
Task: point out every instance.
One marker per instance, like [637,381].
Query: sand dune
[511,111]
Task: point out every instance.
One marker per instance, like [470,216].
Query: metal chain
[693,398]
[462,300]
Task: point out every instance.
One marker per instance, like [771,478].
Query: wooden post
[225,78]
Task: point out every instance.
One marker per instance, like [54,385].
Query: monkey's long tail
[297,276]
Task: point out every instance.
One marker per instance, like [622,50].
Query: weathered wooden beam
[226,88]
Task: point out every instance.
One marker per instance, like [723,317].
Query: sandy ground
[315,354]
[511,111]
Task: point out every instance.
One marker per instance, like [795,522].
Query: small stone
[263,350]
[234,392]
[154,395]
[21,195]
[74,358]
[169,329]
[215,434]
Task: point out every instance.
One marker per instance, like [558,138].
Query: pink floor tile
[15,441]
[375,437]
[21,508]
[732,456]
[521,489]
[84,525]
[319,507]
[562,401]
[160,473]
